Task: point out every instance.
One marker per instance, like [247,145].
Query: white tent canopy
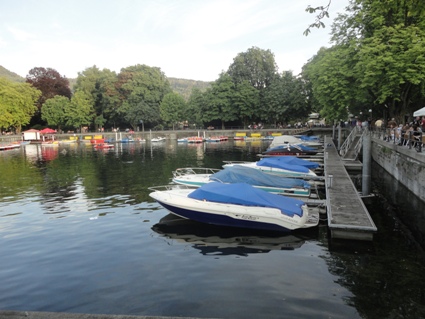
[420,112]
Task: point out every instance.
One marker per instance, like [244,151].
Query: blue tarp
[309,138]
[269,162]
[246,195]
[255,177]
[293,160]
[294,147]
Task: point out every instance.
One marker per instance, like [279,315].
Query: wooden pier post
[367,164]
[339,137]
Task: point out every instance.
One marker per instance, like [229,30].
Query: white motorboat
[274,167]
[197,177]
[235,205]
[290,139]
[158,139]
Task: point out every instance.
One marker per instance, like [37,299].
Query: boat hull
[221,220]
[9,147]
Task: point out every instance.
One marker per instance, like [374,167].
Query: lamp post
[143,126]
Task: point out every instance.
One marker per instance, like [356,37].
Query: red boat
[103,146]
[9,147]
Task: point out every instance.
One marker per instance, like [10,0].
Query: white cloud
[20,35]
[3,43]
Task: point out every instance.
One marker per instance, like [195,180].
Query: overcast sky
[189,39]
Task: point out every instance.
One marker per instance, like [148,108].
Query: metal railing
[349,140]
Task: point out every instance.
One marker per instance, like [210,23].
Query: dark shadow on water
[386,269]
[397,202]
[211,239]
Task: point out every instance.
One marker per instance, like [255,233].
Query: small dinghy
[276,167]
[197,177]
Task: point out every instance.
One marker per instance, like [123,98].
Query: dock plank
[348,217]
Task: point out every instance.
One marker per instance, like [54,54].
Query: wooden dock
[348,217]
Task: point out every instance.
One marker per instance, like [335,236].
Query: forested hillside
[181,86]
[5,73]
[184,87]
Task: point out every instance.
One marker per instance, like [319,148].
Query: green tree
[246,100]
[17,104]
[54,111]
[141,89]
[197,102]
[80,111]
[100,85]
[259,68]
[50,83]
[333,80]
[221,99]
[392,65]
[285,99]
[385,40]
[173,109]
[256,66]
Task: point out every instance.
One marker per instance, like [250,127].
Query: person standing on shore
[392,123]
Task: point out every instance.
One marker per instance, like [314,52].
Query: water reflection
[215,240]
[400,204]
[49,153]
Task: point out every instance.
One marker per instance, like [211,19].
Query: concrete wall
[406,165]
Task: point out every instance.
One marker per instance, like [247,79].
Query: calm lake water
[79,233]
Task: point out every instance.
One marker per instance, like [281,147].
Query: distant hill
[5,73]
[181,86]
[184,87]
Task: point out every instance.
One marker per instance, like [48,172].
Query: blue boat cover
[294,147]
[269,162]
[310,138]
[246,195]
[255,177]
[293,160]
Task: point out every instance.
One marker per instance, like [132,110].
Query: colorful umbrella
[47,131]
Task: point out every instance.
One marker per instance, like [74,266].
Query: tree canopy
[256,66]
[17,104]
[55,111]
[173,109]
[141,89]
[100,86]
[376,62]
[49,82]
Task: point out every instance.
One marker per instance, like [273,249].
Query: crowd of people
[407,133]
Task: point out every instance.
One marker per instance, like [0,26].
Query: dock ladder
[351,147]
